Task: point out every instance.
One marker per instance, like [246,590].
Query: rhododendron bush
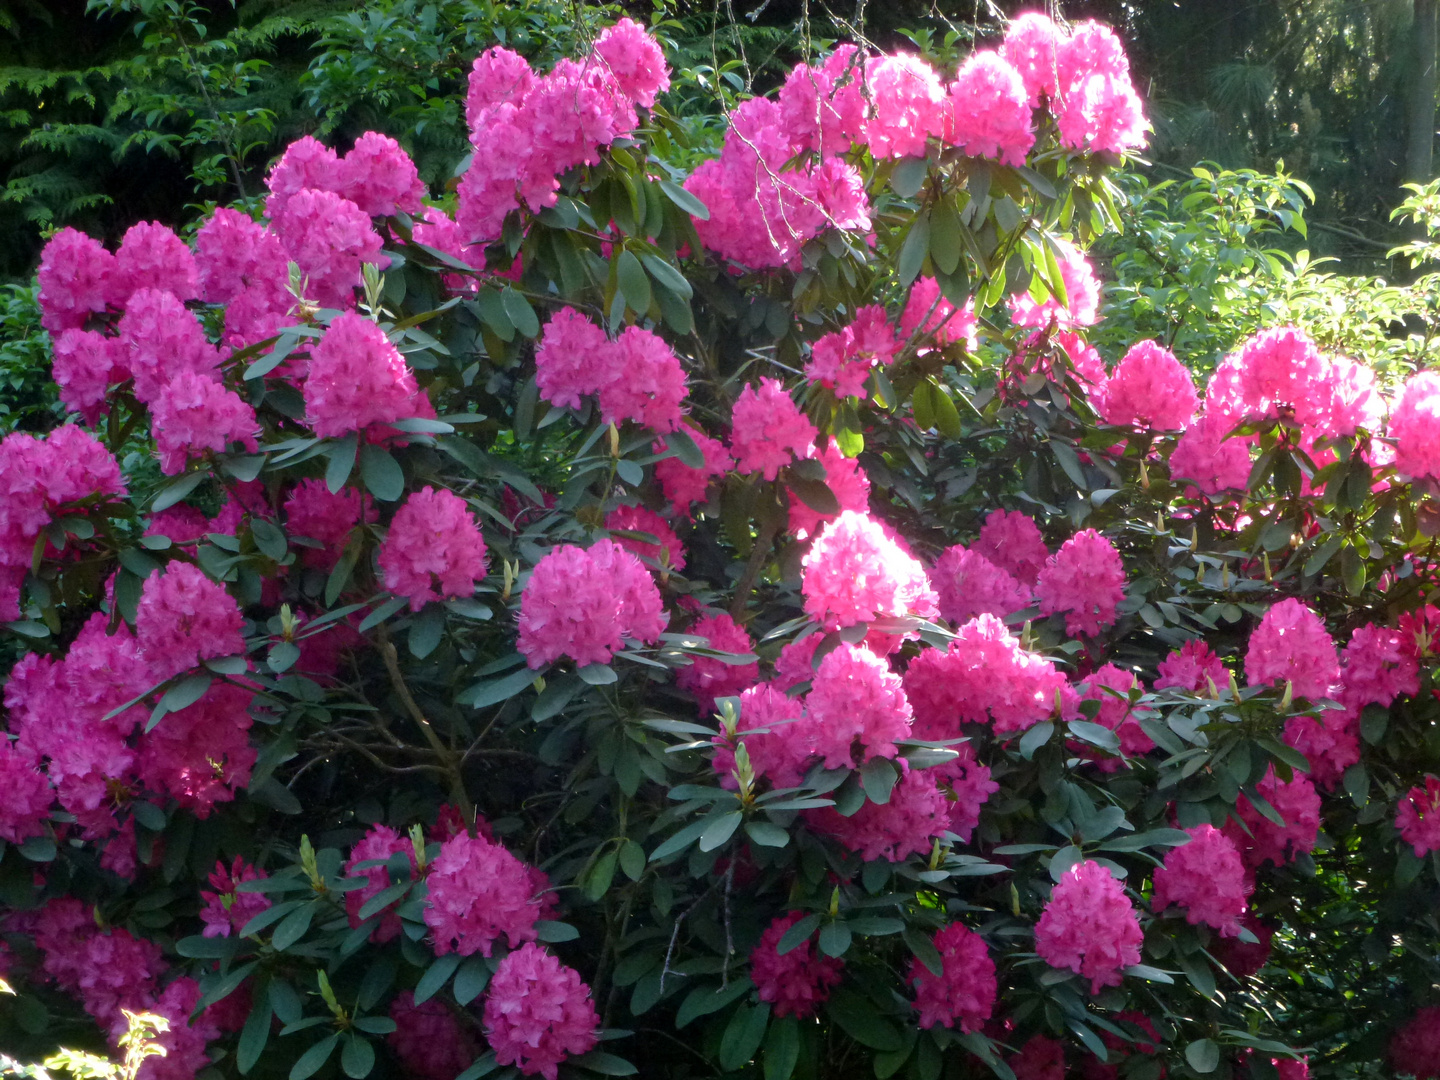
[711,609]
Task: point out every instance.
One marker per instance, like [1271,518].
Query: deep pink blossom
[581,603]
[185,1041]
[25,794]
[916,815]
[1148,388]
[857,708]
[1330,742]
[313,511]
[1193,666]
[1205,457]
[1082,295]
[152,256]
[306,163]
[227,909]
[685,485]
[988,111]
[843,359]
[1377,668]
[855,572]
[358,379]
[1207,878]
[192,415]
[963,994]
[1089,926]
[708,678]
[433,540]
[378,176]
[1281,370]
[969,584]
[572,360]
[106,970]
[479,893]
[183,617]
[1085,581]
[378,844]
[538,1012]
[1298,806]
[498,76]
[1101,113]
[1292,645]
[776,737]
[77,278]
[1031,42]
[1040,1058]
[797,983]
[768,430]
[635,61]
[1110,686]
[330,238]
[847,482]
[1418,817]
[668,551]
[200,755]
[86,364]
[908,102]
[1415,1048]
[234,253]
[824,108]
[967,787]
[1415,426]
[1012,541]
[429,1041]
[940,321]
[161,338]
[644,382]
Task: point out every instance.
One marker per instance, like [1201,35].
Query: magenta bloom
[969,584]
[1089,926]
[378,176]
[77,277]
[684,485]
[331,239]
[1298,806]
[357,379]
[845,479]
[988,113]
[151,256]
[571,361]
[538,1012]
[25,794]
[306,163]
[635,61]
[857,708]
[1110,686]
[782,751]
[1148,388]
[1012,541]
[1082,295]
[1415,426]
[226,909]
[1031,42]
[937,318]
[824,108]
[1205,457]
[433,540]
[854,572]
[963,994]
[1291,644]
[379,843]
[429,1040]
[1207,878]
[1415,1048]
[908,102]
[917,815]
[1281,370]
[708,678]
[797,983]
[479,894]
[313,511]
[183,618]
[193,415]
[200,755]
[1192,667]
[1418,817]
[582,604]
[668,552]
[161,338]
[768,431]
[1085,581]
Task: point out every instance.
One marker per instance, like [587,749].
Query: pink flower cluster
[528,129]
[668,553]
[1012,541]
[682,484]
[969,584]
[479,893]
[313,511]
[429,1041]
[856,572]
[583,603]
[708,677]
[1085,581]
[928,313]
[1415,426]
[25,794]
[1193,667]
[1418,817]
[1149,388]
[1415,1048]
[767,430]
[1089,926]
[1207,878]
[358,379]
[857,708]
[368,859]
[226,909]
[636,377]
[1298,806]
[433,539]
[963,994]
[1081,303]
[1111,686]
[538,1012]
[842,360]
[797,982]
[1292,645]
[847,482]
[917,814]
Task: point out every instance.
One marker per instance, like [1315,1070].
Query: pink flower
[1012,541]
[440,231]
[767,430]
[151,256]
[1110,686]
[479,893]
[969,584]
[635,61]
[1148,388]
[917,815]
[86,365]
[1282,370]
[433,539]
[909,105]
[25,794]
[964,991]
[1101,114]
[775,735]
[313,511]
[226,909]
[161,338]
[797,982]
[498,76]
[842,360]
[1297,804]
[183,617]
[77,277]
[1355,401]
[1031,41]
[192,414]
[331,239]
[1192,667]
[306,163]
[572,358]
[1207,878]
[854,572]
[1085,580]
[644,381]
[106,970]
[823,108]
[357,379]
[1415,1048]
[1040,1058]
[1082,295]
[988,114]
[938,319]
[1415,426]
[1205,457]
[1331,743]
[1089,926]
[967,787]
[857,708]
[428,1041]
[378,176]
[581,604]
[1418,817]
[668,551]
[847,482]
[1244,958]
[538,1012]
[684,485]
[200,755]
[708,678]
[377,847]
[234,253]
[1378,668]
[1291,644]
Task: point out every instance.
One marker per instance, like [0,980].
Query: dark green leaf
[382,473]
[358,1057]
[309,1062]
[342,461]
[436,976]
[633,282]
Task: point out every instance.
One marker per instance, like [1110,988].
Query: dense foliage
[720,613]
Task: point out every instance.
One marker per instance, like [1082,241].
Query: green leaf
[797,935]
[633,283]
[707,999]
[269,539]
[358,1057]
[878,777]
[597,1061]
[1203,1055]
[767,834]
[494,691]
[834,939]
[552,932]
[1095,734]
[426,631]
[743,1035]
[148,814]
[914,249]
[924,949]
[782,1048]
[197,947]
[471,980]
[309,1062]
[667,275]
[602,873]
[945,242]
[681,840]
[1034,738]
[342,461]
[720,830]
[815,494]
[382,473]
[683,199]
[908,176]
[493,315]
[176,490]
[254,1035]
[632,860]
[858,1019]
[597,674]
[436,976]
[292,928]
[519,311]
